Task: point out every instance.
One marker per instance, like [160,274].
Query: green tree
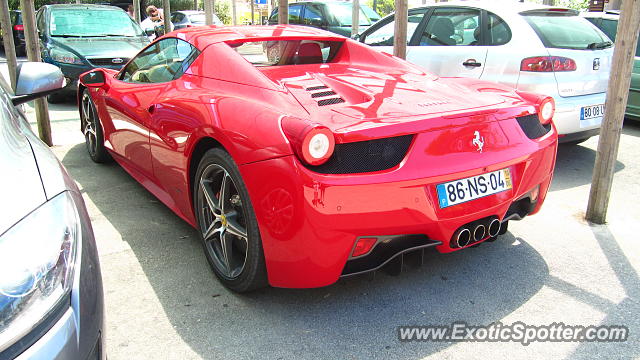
[574,4]
[383,7]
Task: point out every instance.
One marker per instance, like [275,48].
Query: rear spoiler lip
[551,11]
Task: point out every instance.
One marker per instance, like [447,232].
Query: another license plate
[471,188]
[590,112]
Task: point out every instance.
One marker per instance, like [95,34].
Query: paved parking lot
[163,302]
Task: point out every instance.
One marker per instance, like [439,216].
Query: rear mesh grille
[531,126]
[330,101]
[322,93]
[366,156]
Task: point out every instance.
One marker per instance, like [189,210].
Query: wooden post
[136,11]
[283,12]
[615,105]
[9,45]
[234,19]
[195,4]
[400,29]
[375,6]
[548,2]
[355,17]
[208,12]
[252,10]
[166,12]
[33,54]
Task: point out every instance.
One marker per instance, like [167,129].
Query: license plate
[471,188]
[590,112]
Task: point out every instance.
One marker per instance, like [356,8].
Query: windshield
[92,22]
[342,13]
[566,32]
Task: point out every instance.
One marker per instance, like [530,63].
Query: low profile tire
[92,130]
[227,223]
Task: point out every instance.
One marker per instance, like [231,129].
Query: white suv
[536,48]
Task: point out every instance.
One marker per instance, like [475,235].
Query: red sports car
[303,156]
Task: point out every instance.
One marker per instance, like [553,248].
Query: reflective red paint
[308,221]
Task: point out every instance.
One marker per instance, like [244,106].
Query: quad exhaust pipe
[463,238]
[477,231]
[494,227]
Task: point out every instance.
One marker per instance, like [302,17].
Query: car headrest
[443,28]
[308,53]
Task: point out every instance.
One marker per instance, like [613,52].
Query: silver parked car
[189,18]
[51,300]
[535,48]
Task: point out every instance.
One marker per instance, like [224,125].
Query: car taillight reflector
[363,246]
[312,143]
[546,110]
[547,64]
[18,27]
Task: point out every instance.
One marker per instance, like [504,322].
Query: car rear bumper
[567,116]
[309,222]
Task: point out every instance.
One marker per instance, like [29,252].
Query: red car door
[130,108]
[131,101]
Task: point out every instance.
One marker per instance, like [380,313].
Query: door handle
[471,63]
[151,109]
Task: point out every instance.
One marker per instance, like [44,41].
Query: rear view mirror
[149,32]
[94,78]
[36,79]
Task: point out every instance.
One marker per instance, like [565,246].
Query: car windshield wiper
[67,36]
[599,45]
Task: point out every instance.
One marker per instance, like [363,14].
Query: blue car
[80,37]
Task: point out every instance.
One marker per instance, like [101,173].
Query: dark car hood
[98,47]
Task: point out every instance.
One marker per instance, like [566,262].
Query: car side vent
[317,87]
[366,156]
[323,93]
[330,101]
[531,126]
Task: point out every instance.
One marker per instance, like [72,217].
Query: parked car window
[342,14]
[564,32]
[452,26]
[313,15]
[295,14]
[609,27]
[163,61]
[499,32]
[177,17]
[92,22]
[383,36]
[371,14]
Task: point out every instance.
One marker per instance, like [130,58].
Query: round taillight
[317,146]
[546,110]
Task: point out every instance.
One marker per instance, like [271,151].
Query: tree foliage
[574,4]
[383,7]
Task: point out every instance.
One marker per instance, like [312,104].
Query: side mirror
[94,78]
[36,79]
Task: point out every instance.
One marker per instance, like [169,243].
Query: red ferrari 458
[302,156]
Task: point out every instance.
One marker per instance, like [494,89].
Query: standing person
[130,10]
[154,19]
